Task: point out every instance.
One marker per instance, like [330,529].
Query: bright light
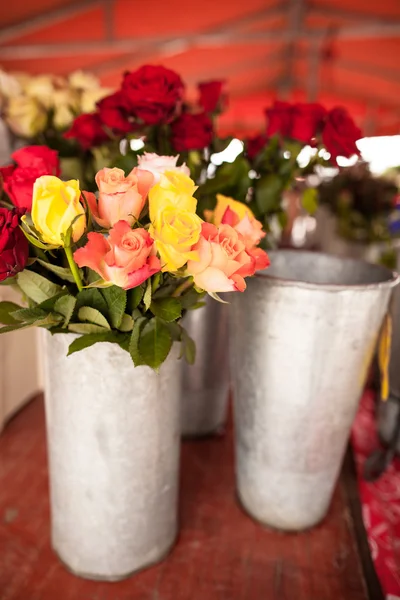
[286,154]
[136,144]
[305,156]
[253,174]
[381,153]
[229,154]
[347,162]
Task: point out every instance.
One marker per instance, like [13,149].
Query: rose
[174,225]
[239,216]
[41,88]
[55,207]
[174,188]
[159,164]
[211,97]
[120,197]
[192,132]
[25,116]
[90,98]
[255,144]
[222,261]
[65,106]
[340,134]
[279,118]
[40,157]
[114,113]
[14,247]
[126,258]
[88,131]
[307,120]
[32,162]
[79,80]
[153,93]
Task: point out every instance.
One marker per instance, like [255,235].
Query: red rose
[14,247]
[211,96]
[114,113]
[340,134]
[153,94]
[192,132]
[255,144]
[279,119]
[32,162]
[88,131]
[40,157]
[307,121]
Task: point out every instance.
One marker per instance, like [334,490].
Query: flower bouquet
[120,267]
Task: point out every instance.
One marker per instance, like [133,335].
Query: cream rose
[158,165]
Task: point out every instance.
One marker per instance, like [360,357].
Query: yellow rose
[89,98]
[25,116]
[174,188]
[55,205]
[41,88]
[79,80]
[223,202]
[175,231]
[65,107]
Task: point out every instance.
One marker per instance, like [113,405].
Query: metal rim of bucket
[393,278]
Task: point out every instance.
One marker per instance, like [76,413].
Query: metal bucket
[205,385]
[302,337]
[113,443]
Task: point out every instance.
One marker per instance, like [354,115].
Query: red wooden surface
[221,553]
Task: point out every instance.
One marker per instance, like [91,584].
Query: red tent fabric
[333,51]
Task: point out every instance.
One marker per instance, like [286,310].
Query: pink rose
[125,258]
[223,260]
[159,164]
[249,228]
[120,197]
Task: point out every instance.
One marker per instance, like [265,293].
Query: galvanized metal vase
[302,338]
[113,442]
[205,385]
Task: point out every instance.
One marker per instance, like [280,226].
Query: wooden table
[221,553]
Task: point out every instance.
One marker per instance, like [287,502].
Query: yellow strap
[384,355]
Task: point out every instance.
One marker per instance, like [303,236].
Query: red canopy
[332,51]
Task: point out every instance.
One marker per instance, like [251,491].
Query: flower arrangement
[364,205]
[151,114]
[122,265]
[40,108]
[269,166]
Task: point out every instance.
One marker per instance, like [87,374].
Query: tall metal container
[205,385]
[302,337]
[113,441]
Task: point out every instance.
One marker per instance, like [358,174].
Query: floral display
[365,205]
[269,166]
[40,108]
[122,264]
[150,114]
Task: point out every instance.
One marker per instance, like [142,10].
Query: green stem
[74,268]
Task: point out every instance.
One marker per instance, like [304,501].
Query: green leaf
[87,313]
[61,272]
[126,323]
[84,328]
[6,308]
[92,338]
[154,343]
[134,341]
[28,315]
[36,287]
[175,330]
[168,309]
[189,347]
[268,192]
[65,306]
[309,200]
[135,296]
[116,301]
[99,283]
[48,321]
[92,298]
[156,282]
[48,305]
[190,298]
[147,295]
[35,242]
